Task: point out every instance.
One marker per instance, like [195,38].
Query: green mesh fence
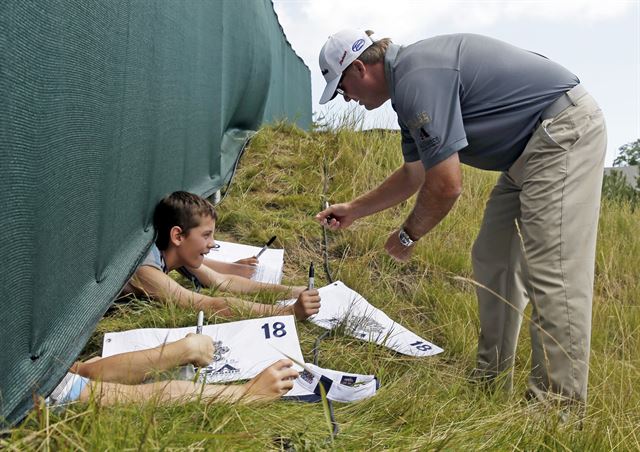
[106,107]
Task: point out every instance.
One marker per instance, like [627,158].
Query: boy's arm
[244,267]
[155,284]
[234,283]
[135,367]
[272,383]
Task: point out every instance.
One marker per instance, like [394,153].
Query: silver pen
[200,322]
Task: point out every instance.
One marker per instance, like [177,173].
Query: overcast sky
[599,41]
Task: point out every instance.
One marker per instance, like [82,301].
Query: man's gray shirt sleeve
[428,103]
[409,148]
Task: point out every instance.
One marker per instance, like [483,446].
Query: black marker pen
[264,248]
[311,276]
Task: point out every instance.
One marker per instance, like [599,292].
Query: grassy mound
[423,404]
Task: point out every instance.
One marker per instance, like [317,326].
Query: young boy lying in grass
[184,225]
[120,378]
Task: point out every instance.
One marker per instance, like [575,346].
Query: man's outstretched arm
[398,187]
[441,188]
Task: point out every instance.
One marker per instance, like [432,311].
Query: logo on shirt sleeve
[426,140]
[419,132]
[419,120]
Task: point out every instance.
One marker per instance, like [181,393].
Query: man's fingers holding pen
[337,216]
[326,218]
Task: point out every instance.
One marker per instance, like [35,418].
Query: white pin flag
[269,270]
[245,348]
[242,349]
[343,307]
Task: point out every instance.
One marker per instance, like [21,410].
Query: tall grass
[423,404]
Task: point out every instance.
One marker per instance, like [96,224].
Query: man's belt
[563,102]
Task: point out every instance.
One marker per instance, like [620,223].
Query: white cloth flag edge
[338,386]
[417,346]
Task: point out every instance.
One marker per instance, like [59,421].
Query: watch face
[404,238]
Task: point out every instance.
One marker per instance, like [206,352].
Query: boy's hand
[200,349]
[273,382]
[248,261]
[297,290]
[308,304]
[246,267]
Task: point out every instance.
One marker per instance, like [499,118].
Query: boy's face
[197,242]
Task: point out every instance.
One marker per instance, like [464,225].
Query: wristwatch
[404,238]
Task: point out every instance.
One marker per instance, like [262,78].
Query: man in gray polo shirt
[476,100]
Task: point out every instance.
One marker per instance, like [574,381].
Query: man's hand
[308,304]
[272,383]
[396,249]
[337,216]
[200,349]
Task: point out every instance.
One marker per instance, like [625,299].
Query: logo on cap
[325,71]
[357,45]
[342,59]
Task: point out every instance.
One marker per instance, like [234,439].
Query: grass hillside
[423,404]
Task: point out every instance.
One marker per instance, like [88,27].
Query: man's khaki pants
[537,243]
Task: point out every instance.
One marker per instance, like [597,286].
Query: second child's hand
[308,302]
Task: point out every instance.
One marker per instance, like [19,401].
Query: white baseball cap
[340,50]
